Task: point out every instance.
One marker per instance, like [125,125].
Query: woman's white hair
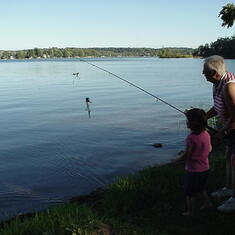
[215,63]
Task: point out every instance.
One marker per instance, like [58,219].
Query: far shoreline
[93,57]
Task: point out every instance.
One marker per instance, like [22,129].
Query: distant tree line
[222,46]
[55,52]
[176,53]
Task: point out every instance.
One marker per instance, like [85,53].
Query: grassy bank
[149,202]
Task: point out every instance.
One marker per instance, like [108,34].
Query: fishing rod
[145,91]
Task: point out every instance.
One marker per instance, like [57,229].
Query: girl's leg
[190,206]
[192,202]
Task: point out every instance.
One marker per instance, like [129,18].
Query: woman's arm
[211,113]
[229,96]
[230,105]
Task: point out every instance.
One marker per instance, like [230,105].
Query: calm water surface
[50,150]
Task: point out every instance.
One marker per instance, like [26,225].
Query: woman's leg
[233,174]
[207,201]
[228,176]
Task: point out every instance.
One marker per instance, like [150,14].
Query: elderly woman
[214,71]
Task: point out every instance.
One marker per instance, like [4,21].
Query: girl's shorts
[195,182]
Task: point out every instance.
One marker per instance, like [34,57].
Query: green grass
[63,219]
[149,202]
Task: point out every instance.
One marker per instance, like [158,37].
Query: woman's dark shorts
[195,182]
[230,138]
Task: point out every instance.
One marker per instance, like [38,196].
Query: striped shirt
[218,96]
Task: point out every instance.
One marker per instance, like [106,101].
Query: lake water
[50,150]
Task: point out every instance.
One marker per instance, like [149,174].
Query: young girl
[198,147]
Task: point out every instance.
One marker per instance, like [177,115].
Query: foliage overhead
[227,15]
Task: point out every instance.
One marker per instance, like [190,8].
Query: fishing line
[76,76]
[145,91]
[88,106]
[132,84]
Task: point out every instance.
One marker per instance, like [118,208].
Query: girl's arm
[184,156]
[210,149]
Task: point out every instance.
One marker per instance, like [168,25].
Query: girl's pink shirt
[201,146]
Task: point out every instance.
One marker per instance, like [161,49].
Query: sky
[26,24]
